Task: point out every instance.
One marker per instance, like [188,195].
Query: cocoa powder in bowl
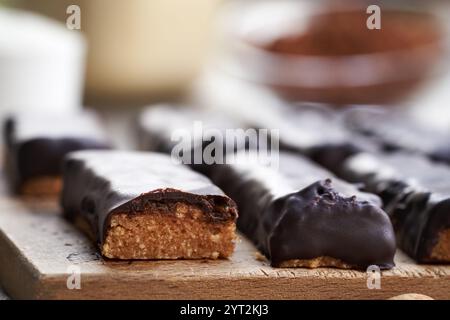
[348,62]
[345,33]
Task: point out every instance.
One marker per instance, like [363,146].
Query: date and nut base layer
[441,251]
[42,187]
[178,231]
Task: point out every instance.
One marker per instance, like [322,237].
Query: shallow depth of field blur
[225,54]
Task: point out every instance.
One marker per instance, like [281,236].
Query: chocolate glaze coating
[157,125]
[36,144]
[161,128]
[99,183]
[415,192]
[308,129]
[396,131]
[302,211]
[313,130]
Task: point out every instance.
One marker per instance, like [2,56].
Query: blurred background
[226,54]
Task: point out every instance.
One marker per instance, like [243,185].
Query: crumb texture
[181,232]
[441,251]
[315,263]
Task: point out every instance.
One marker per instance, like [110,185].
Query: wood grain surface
[38,248]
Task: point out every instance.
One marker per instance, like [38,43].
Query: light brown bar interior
[178,231]
[315,263]
[441,251]
[45,186]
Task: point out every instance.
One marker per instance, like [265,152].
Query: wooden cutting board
[39,249]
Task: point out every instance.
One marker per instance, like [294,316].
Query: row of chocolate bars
[348,188]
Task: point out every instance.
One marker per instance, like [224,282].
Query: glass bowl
[308,51]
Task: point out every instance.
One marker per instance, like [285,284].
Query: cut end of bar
[441,251]
[318,262]
[159,232]
[45,187]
